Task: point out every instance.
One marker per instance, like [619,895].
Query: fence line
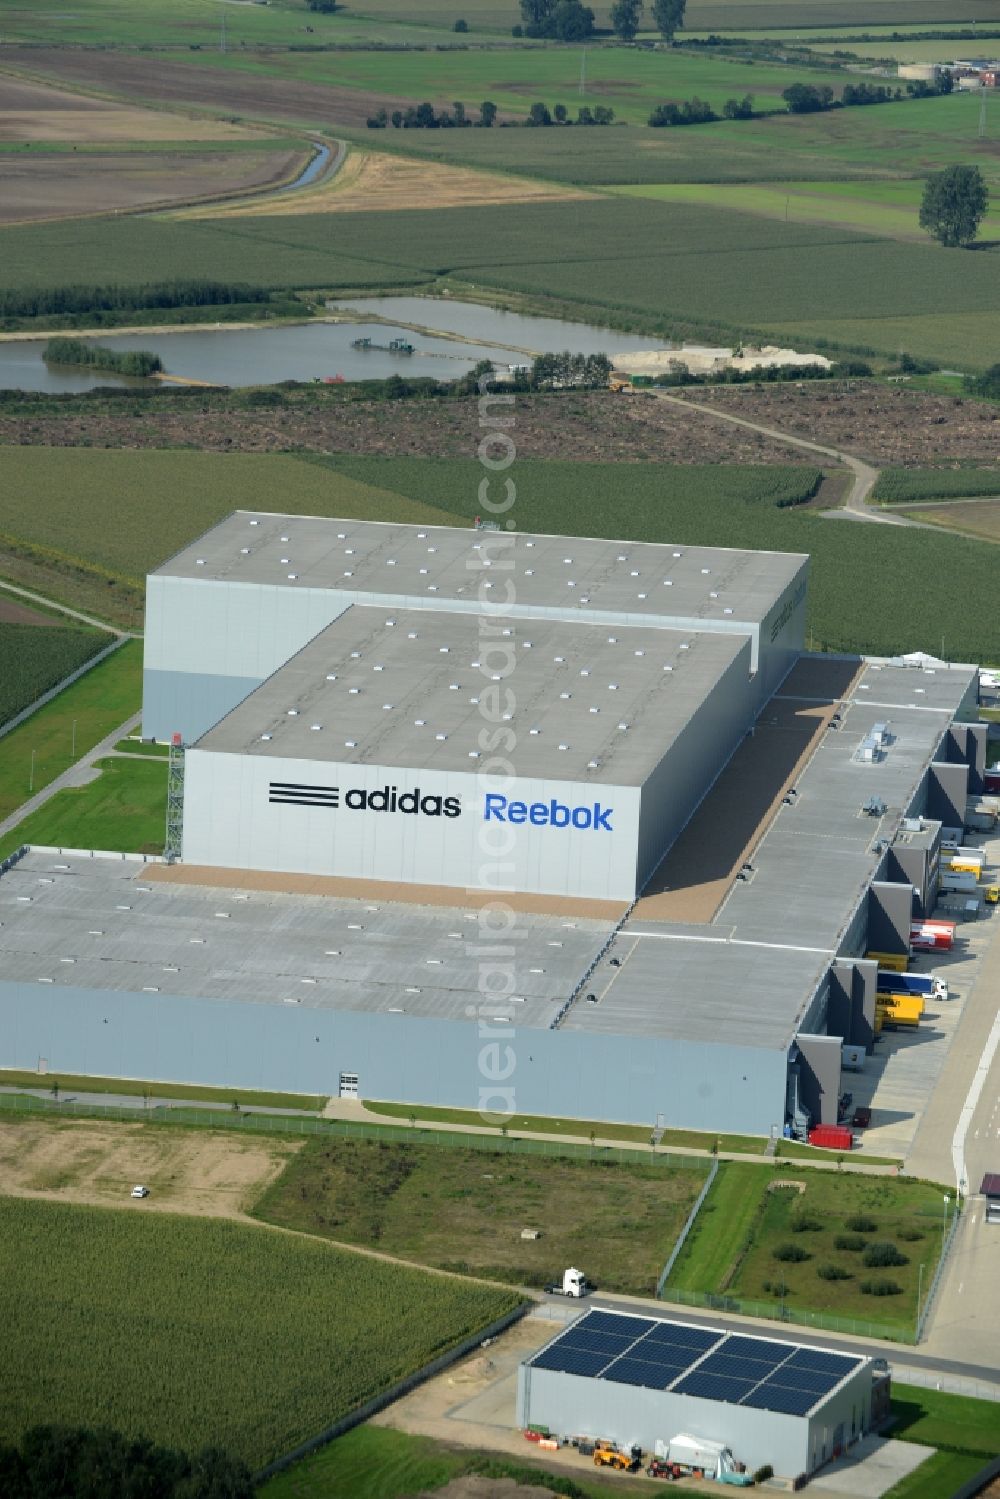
[939,1271]
[780,1312]
[252,1123]
[395,1392]
[689,1224]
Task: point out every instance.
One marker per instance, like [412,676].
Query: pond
[323,350]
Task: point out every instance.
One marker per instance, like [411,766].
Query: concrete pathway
[355,1111]
[153,1101]
[865,476]
[39,598]
[80,773]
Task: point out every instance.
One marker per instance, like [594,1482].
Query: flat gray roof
[749,976]
[101,923]
[414,687]
[450,567]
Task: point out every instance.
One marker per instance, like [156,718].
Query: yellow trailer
[897,960]
[899,1010]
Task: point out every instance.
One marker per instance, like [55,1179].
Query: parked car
[660,1469]
[862,1118]
[140,1191]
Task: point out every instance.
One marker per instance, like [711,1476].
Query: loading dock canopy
[761,1373]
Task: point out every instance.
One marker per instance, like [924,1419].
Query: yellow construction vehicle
[992,894]
[606,1457]
[619,384]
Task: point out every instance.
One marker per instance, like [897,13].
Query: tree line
[54,1462]
[98,357]
[426,117]
[45,301]
[800,99]
[572,21]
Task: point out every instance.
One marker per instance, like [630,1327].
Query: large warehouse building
[644,1381]
[697,831]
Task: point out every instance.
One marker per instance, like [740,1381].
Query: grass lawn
[464,1210]
[193,1331]
[100,700]
[125,810]
[70,1083]
[940,1476]
[143,747]
[941,1420]
[376,1462]
[791,1149]
[539,1124]
[732,1249]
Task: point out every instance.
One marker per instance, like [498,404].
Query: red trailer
[831,1137]
[932,936]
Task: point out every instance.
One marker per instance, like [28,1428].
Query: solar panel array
[732,1367]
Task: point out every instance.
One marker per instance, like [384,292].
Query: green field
[96,704]
[125,810]
[899,485]
[462,1210]
[902,576]
[144,748]
[74,1083]
[737,1247]
[196,1332]
[889,208]
[34,658]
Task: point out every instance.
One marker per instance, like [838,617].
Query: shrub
[791,1253]
[849,1241]
[460,25]
[884,1254]
[832,1272]
[859,1224]
[911,1235]
[880,1288]
[804,1224]
[764,1473]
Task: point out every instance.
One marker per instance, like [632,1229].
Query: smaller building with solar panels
[645,1381]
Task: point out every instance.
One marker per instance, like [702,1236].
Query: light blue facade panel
[234,1043]
[188,703]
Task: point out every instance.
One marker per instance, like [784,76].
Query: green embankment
[68,1083]
[124,810]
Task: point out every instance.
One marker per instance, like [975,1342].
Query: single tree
[535,13]
[560,113]
[538,114]
[625,16]
[669,17]
[571,21]
[460,25]
[487,113]
[954,204]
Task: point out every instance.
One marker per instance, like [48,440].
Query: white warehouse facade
[644,1381]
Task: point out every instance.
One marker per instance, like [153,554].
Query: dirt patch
[56,186]
[32,111]
[970,517]
[207,1173]
[12,613]
[155,80]
[886,425]
[369,181]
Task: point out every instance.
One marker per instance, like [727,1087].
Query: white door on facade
[349,1085]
